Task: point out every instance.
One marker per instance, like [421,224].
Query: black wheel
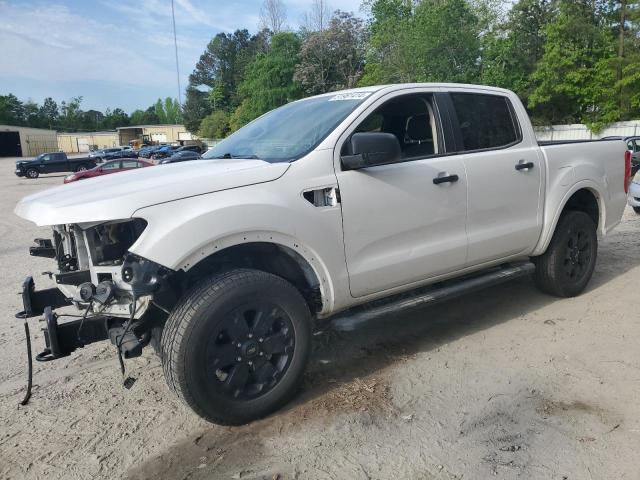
[32,173]
[81,168]
[637,210]
[235,348]
[566,267]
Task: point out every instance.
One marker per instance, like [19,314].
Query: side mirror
[370,149]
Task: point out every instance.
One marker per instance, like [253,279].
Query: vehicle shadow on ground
[340,358]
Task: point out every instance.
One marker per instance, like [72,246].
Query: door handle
[524,165]
[445,179]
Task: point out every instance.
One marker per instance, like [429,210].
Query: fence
[581,132]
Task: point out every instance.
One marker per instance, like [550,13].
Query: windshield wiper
[233,155]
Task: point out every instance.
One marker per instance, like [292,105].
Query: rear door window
[485,121]
[111,166]
[130,164]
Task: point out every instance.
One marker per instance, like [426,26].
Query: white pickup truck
[355,204]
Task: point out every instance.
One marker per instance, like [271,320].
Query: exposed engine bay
[113,289]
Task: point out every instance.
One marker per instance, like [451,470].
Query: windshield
[289,132]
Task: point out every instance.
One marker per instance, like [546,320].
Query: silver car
[634,193]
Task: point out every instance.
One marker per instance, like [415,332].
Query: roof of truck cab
[401,86]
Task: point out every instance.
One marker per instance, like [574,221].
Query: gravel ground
[506,383]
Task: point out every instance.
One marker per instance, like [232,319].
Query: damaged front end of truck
[118,295]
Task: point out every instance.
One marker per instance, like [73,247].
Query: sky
[116,53]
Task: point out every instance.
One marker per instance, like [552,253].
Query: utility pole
[175,43]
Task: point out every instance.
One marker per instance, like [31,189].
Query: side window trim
[455,125]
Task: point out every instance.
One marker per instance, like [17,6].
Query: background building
[25,141]
[154,134]
[85,141]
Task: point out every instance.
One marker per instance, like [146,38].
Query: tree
[268,81]
[273,16]
[137,117]
[333,58]
[510,53]
[575,80]
[114,119]
[49,112]
[418,44]
[71,114]
[93,120]
[172,110]
[220,70]
[11,110]
[214,125]
[224,61]
[318,16]
[195,108]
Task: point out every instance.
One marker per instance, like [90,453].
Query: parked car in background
[634,193]
[100,155]
[128,153]
[113,166]
[191,148]
[182,156]
[164,152]
[633,145]
[53,162]
[349,205]
[146,152]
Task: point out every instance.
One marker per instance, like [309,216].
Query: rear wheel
[235,348]
[81,168]
[565,269]
[637,210]
[32,173]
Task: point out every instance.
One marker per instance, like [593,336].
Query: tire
[81,168]
[220,357]
[565,269]
[32,173]
[637,210]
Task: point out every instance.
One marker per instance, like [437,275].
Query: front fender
[182,233]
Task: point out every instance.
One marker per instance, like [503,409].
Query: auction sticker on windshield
[350,96]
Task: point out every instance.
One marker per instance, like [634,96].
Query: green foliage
[420,43]
[511,51]
[70,117]
[11,110]
[575,78]
[168,111]
[268,80]
[215,125]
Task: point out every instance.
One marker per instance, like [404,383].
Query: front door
[399,226]
[55,162]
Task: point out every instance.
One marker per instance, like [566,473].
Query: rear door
[399,226]
[504,173]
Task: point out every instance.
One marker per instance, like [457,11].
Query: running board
[439,292]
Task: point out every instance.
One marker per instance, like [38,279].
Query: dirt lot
[507,383]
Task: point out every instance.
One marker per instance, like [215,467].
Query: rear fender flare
[550,227]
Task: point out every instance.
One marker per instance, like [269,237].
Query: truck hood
[119,195]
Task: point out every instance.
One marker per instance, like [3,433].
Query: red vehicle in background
[114,166]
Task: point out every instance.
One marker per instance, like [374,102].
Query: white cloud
[50,41]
